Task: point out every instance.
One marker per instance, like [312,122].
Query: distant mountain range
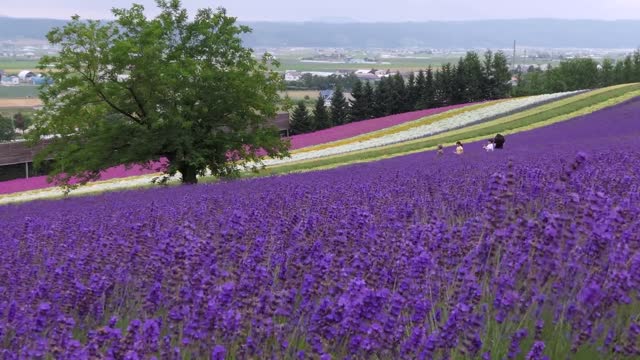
[14,28]
[434,34]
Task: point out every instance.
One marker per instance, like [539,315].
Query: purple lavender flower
[218,353]
[403,258]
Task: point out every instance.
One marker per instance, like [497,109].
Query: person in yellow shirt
[459,148]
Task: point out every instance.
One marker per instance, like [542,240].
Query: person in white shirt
[490,145]
[459,148]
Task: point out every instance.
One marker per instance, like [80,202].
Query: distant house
[10,80]
[364,72]
[320,73]
[41,80]
[291,75]
[382,73]
[367,77]
[343,72]
[327,95]
[26,75]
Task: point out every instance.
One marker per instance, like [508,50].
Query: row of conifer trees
[473,78]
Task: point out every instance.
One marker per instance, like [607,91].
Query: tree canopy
[137,90]
[301,121]
[321,115]
[361,103]
[339,107]
[579,73]
[7,132]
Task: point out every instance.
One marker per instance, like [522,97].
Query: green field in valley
[9,112]
[18,91]
[393,64]
[12,66]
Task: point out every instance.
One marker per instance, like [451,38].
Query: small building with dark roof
[16,157]
[16,160]
[281,121]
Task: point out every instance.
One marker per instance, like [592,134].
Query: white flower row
[90,188]
[450,123]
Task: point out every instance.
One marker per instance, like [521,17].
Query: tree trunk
[188,173]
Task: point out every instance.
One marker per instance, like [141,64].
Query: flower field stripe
[449,138]
[352,129]
[92,188]
[531,253]
[40,182]
[391,150]
[612,96]
[397,128]
[426,130]
[619,91]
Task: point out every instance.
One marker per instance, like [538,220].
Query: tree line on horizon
[473,78]
[470,80]
[579,74]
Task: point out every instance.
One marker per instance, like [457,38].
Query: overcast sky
[360,10]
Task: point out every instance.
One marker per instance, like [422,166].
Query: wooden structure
[281,121]
[16,159]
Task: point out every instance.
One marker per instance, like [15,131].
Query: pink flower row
[40,182]
[297,142]
[362,127]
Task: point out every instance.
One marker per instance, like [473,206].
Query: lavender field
[532,252]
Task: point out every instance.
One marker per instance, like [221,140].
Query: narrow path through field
[18,103]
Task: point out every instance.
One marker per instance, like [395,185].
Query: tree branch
[109,102]
[138,102]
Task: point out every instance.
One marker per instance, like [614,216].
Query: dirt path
[18,103]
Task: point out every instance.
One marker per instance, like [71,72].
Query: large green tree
[412,93]
[339,107]
[497,75]
[7,132]
[420,89]
[380,96]
[429,92]
[301,121]
[397,94]
[321,115]
[369,95]
[136,90]
[361,102]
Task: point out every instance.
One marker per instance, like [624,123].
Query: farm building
[281,122]
[16,160]
[320,73]
[291,75]
[16,157]
[41,80]
[10,80]
[26,75]
[367,77]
